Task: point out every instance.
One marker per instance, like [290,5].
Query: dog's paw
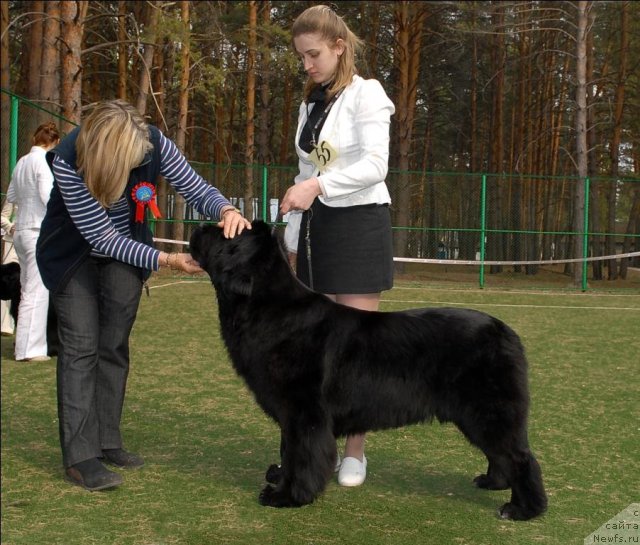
[266,494]
[274,474]
[511,511]
[488,483]
[522,512]
[272,497]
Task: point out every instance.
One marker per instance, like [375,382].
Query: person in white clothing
[339,227]
[8,256]
[29,190]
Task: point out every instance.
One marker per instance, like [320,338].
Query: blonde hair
[112,141]
[323,20]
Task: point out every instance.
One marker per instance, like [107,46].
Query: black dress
[343,250]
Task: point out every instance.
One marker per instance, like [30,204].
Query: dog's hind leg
[511,464]
[307,464]
[496,477]
[528,498]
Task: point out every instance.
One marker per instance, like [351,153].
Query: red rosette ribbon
[144,194]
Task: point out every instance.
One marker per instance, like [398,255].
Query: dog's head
[235,264]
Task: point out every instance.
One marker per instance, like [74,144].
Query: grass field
[207,444]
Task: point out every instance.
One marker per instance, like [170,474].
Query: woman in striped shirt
[94,253]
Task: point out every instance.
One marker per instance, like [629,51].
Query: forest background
[540,95]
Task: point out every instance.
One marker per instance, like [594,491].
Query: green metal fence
[473,228]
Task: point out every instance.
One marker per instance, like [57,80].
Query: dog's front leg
[274,471]
[307,464]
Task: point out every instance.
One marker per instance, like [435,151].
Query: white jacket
[30,187]
[357,127]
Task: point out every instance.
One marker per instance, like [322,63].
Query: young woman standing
[29,191]
[339,228]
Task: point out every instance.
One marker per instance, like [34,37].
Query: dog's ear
[260,227]
[240,261]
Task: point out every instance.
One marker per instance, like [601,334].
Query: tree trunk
[596,242]
[35,49]
[581,159]
[251,107]
[285,144]
[265,155]
[473,128]
[183,110]
[614,148]
[519,141]
[161,230]
[5,103]
[372,20]
[153,15]
[556,195]
[50,67]
[409,25]
[122,51]
[495,242]
[73,14]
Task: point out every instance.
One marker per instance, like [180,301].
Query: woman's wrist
[317,186]
[168,260]
[228,209]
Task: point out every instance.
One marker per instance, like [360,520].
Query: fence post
[483,227]
[13,134]
[585,235]
[265,204]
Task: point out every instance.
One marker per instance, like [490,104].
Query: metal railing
[479,222]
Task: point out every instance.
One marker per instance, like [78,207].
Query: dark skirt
[351,250]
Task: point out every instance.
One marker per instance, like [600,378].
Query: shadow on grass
[238,459]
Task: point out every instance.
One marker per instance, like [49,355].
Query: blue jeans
[96,311]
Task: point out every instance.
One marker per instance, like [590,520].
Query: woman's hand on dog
[232,222]
[180,262]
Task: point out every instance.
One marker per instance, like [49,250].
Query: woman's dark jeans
[96,311]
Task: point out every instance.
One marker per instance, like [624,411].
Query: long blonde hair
[112,141]
[323,20]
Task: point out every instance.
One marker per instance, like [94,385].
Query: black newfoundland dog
[10,289]
[322,370]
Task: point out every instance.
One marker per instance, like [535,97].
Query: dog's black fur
[322,370]
[10,287]
[10,291]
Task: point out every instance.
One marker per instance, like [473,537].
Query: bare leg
[354,445]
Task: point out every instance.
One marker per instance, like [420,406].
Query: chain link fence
[469,228]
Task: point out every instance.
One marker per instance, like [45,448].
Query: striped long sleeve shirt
[108,231]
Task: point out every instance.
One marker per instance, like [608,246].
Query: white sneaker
[352,472]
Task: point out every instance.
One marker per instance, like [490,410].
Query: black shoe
[121,458]
[92,475]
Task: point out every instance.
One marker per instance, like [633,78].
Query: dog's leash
[275,223]
[307,240]
[307,243]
